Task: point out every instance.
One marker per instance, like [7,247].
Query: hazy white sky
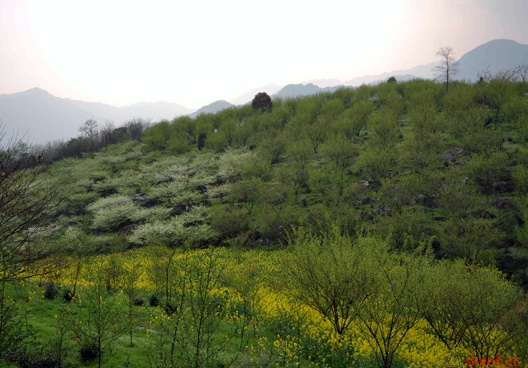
[194,52]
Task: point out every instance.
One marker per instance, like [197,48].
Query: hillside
[298,234]
[391,165]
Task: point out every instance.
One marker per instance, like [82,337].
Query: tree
[262,102]
[340,151]
[448,65]
[198,309]
[471,307]
[327,275]
[99,321]
[25,200]
[360,281]
[91,133]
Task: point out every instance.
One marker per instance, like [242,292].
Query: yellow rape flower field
[255,278]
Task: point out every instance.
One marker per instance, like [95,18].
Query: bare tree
[522,72]
[25,199]
[448,65]
[106,134]
[135,128]
[518,73]
[91,133]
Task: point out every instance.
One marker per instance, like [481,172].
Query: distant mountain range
[38,117]
[212,108]
[493,56]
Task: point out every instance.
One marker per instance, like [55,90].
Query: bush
[38,362]
[153,300]
[139,302]
[68,295]
[89,352]
[51,291]
[169,308]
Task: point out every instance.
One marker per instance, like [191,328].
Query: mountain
[298,90]
[421,71]
[212,108]
[37,116]
[325,82]
[247,97]
[495,56]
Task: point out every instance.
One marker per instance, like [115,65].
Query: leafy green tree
[377,163]
[317,132]
[470,126]
[469,307]
[157,135]
[354,119]
[247,192]
[515,113]
[383,130]
[274,146]
[332,108]
[325,273]
[348,280]
[99,320]
[422,150]
[396,306]
[340,151]
[191,320]
[521,230]
[178,143]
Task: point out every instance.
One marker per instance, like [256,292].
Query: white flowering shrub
[186,228]
[111,213]
[231,163]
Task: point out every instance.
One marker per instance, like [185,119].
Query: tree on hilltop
[262,102]
[447,66]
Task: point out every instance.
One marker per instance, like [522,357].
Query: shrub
[89,352]
[51,291]
[40,361]
[68,295]
[169,308]
[153,300]
[139,302]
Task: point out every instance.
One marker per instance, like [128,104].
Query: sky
[194,52]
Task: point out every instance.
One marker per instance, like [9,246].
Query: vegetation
[304,232]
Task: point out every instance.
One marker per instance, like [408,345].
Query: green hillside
[408,165]
[405,159]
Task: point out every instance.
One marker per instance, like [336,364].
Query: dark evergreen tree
[262,101]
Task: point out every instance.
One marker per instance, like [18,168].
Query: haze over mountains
[40,117]
[36,116]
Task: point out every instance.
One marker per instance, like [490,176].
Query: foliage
[262,101]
